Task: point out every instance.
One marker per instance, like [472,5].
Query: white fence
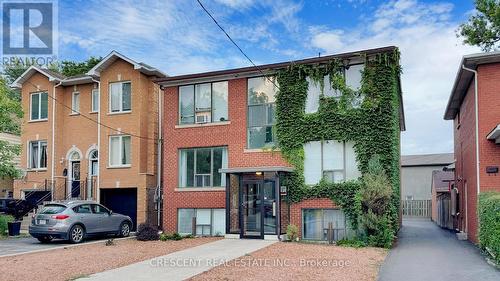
[416,208]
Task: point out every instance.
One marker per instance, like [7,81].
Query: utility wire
[95,121]
[235,44]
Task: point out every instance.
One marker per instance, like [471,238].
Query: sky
[177,37]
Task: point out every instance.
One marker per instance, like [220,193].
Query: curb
[65,247]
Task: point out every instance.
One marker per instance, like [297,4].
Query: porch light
[258,173]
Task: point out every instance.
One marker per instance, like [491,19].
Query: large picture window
[120,97]
[203,103]
[261,112]
[335,161]
[37,155]
[39,106]
[200,167]
[352,76]
[119,151]
[315,224]
[209,222]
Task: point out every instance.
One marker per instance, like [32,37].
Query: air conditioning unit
[202,117]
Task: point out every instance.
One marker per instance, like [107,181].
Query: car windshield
[52,209]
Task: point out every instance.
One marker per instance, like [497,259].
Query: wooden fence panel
[416,208]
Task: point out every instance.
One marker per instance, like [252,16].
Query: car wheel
[124,229]
[44,239]
[76,234]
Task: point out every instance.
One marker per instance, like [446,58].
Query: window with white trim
[75,103]
[119,151]
[199,167]
[209,222]
[37,155]
[261,112]
[120,97]
[39,106]
[333,160]
[95,100]
[203,103]
[352,76]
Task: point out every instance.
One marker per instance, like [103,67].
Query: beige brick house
[92,136]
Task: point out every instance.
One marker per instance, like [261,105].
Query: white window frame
[110,165]
[195,215]
[120,98]
[74,110]
[39,94]
[92,100]
[195,150]
[212,107]
[39,158]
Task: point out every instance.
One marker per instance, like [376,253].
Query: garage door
[122,201]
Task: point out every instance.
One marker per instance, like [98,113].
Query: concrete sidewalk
[427,252]
[183,264]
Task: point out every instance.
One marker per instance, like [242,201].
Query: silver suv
[76,220]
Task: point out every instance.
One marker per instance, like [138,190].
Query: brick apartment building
[473,107]
[220,175]
[67,155]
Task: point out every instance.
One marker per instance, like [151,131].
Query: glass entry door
[251,209]
[258,208]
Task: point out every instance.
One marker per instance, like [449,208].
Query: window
[315,224]
[38,155]
[95,100]
[352,76]
[200,167]
[335,161]
[98,209]
[120,97]
[94,164]
[203,103]
[82,209]
[75,103]
[119,151]
[209,222]
[39,106]
[261,112]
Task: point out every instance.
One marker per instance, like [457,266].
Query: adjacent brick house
[473,107]
[67,155]
[221,175]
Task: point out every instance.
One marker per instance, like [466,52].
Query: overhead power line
[95,121]
[235,44]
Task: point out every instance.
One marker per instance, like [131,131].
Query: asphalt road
[426,252]
[10,246]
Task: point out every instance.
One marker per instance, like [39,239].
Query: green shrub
[174,236]
[376,196]
[4,219]
[146,232]
[489,223]
[355,243]
[292,232]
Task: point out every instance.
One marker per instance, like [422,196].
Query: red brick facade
[465,146]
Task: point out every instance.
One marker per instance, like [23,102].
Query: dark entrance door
[258,208]
[75,179]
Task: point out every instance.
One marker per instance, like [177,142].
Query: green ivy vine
[368,117]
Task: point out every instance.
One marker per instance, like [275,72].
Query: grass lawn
[302,261]
[86,259]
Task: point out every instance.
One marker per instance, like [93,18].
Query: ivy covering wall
[368,117]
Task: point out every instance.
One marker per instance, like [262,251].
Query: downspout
[477,125]
[52,153]
[159,158]
[98,190]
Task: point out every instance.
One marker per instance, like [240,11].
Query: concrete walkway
[427,252]
[183,264]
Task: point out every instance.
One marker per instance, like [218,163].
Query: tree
[483,28]
[71,68]
[10,114]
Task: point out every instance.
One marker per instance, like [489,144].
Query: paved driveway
[13,246]
[427,252]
